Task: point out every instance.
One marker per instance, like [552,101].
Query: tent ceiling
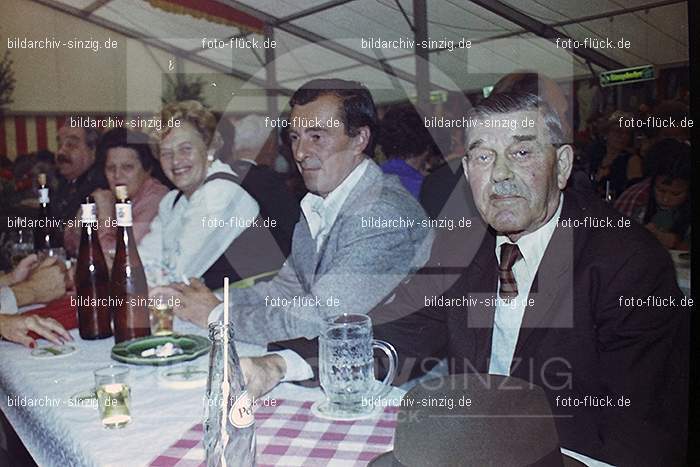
[657,30]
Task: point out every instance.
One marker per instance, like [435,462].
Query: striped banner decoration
[26,134]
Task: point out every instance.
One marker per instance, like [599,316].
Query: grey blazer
[354,270]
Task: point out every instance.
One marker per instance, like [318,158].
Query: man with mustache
[339,262]
[563,292]
[78,176]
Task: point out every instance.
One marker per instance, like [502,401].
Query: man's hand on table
[45,283]
[23,269]
[262,374]
[196,300]
[16,328]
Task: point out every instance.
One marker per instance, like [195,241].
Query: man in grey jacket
[360,234]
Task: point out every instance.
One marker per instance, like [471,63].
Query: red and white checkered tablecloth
[288,434]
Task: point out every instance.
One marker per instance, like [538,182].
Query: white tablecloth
[65,435]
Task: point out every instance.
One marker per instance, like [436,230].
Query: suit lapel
[482,278]
[304,252]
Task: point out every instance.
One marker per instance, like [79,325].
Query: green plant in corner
[182,89]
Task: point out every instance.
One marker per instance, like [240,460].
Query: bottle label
[124,215]
[43,195]
[241,414]
[88,214]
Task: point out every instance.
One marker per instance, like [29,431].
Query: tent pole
[420,34]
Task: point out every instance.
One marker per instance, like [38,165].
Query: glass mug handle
[391,354]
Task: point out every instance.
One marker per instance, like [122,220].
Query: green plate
[130,351]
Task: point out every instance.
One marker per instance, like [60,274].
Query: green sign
[438,96]
[627,75]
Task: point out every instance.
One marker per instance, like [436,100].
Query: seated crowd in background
[613,163]
[407,144]
[661,202]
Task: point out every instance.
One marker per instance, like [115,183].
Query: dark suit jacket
[445,193]
[67,197]
[575,341]
[275,200]
[271,245]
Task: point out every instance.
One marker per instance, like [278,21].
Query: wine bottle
[128,287]
[44,232]
[227,398]
[92,279]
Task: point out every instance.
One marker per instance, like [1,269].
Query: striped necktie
[510,253]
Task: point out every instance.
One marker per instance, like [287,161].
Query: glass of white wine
[161,314]
[113,395]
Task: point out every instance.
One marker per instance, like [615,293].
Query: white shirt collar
[533,244]
[328,208]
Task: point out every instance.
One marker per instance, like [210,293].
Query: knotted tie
[510,253]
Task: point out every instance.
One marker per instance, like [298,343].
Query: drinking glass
[21,246]
[113,395]
[346,365]
[161,314]
[57,252]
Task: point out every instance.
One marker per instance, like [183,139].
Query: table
[61,434]
[289,434]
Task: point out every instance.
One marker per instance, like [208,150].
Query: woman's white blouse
[185,240]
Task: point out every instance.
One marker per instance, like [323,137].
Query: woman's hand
[16,328]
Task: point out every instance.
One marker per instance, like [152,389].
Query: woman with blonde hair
[208,210]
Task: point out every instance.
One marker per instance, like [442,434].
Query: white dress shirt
[509,315]
[320,213]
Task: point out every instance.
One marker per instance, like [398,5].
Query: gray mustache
[506,188]
[310,164]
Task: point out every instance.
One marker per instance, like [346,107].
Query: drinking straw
[224,434]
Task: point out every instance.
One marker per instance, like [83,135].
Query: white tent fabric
[656,30]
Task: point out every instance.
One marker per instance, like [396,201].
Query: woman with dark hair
[407,144]
[125,158]
[662,202]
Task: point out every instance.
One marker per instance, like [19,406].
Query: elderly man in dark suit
[563,292]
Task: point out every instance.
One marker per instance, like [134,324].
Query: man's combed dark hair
[358,108]
[403,133]
[508,102]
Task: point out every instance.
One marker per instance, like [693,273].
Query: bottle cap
[41,178]
[121,192]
